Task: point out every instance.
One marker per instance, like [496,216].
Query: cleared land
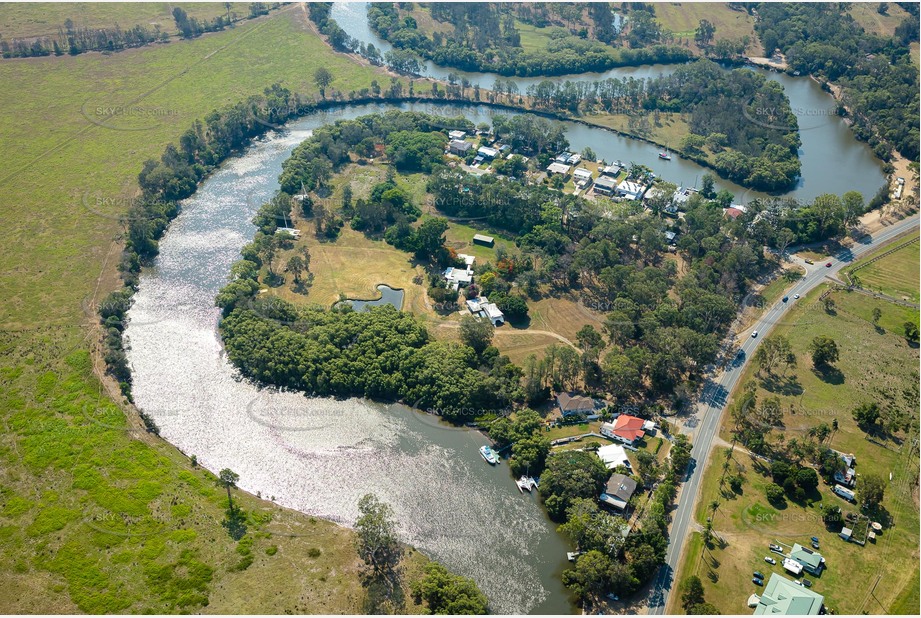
[867,15]
[96,515]
[876,364]
[22,20]
[895,275]
[682,20]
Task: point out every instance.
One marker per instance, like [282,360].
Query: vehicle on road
[770,560]
[808,261]
[795,296]
[827,264]
[754,334]
[786,298]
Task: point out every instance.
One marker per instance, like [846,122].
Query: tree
[824,351]
[322,78]
[774,493]
[870,490]
[591,575]
[296,267]
[476,333]
[692,592]
[447,593]
[877,314]
[376,540]
[867,415]
[227,478]
[911,332]
[430,237]
[704,33]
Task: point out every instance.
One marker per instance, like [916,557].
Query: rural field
[895,274]
[96,515]
[876,364]
[682,20]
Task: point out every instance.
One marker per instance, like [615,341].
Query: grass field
[865,14]
[96,515]
[875,365]
[894,275]
[682,20]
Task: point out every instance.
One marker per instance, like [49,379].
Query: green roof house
[782,597]
[812,562]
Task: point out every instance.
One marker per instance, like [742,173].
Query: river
[320,455]
[833,161]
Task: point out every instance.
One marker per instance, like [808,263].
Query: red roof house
[626,428]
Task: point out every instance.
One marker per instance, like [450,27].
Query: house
[614,455]
[848,478]
[844,492]
[558,168]
[812,561]
[486,241]
[487,153]
[682,195]
[458,277]
[468,260]
[582,177]
[459,147]
[618,491]
[670,237]
[733,212]
[575,405]
[482,308]
[611,170]
[605,185]
[630,190]
[457,135]
[563,157]
[782,597]
[627,429]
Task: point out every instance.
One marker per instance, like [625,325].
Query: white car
[770,560]
[795,296]
[754,334]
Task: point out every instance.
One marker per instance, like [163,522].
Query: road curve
[718,388]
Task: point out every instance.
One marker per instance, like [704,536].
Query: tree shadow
[829,374]
[782,385]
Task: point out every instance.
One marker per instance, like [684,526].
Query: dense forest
[880,82]
[485,38]
[72,39]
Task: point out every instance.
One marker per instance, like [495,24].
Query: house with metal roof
[812,561]
[782,597]
[618,491]
[605,185]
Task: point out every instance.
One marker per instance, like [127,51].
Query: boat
[665,154]
[526,483]
[489,455]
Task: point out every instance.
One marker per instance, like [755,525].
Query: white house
[458,135]
[582,177]
[630,190]
[614,455]
[558,168]
[482,308]
[487,153]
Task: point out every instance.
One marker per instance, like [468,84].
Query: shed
[486,241]
[846,534]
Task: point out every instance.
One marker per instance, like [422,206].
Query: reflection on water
[320,456]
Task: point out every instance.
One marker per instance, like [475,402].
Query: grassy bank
[96,515]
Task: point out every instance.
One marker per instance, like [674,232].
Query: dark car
[828,264]
[807,583]
[785,299]
[757,582]
[814,539]
[758,575]
[815,545]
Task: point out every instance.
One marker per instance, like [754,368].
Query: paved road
[716,393]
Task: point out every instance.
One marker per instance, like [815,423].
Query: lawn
[865,14]
[683,18]
[894,275]
[97,515]
[876,364]
[666,129]
[19,20]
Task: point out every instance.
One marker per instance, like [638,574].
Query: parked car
[815,539]
[770,560]
[815,545]
[808,261]
[797,582]
[807,583]
[758,574]
[757,582]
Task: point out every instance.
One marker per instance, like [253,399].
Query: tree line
[485,39]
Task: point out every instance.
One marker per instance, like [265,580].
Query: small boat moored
[489,455]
